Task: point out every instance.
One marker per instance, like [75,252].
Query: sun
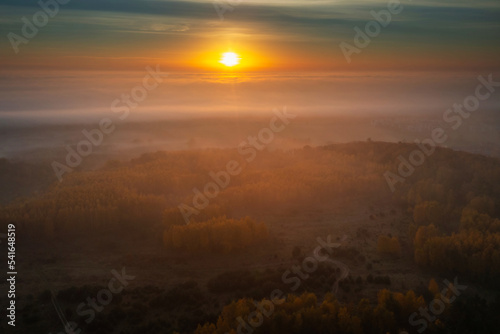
[230,59]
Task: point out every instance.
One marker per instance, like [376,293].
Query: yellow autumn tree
[388,246]
[219,234]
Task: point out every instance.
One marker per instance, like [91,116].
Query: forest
[215,235]
[442,222]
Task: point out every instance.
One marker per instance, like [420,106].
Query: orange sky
[269,36]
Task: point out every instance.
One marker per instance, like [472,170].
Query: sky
[270,36]
[425,58]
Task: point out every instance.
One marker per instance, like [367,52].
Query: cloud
[159,27]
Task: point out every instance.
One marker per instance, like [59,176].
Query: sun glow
[230,59]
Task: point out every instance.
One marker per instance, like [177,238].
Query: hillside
[205,232]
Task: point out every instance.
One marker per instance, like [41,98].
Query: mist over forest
[249,167]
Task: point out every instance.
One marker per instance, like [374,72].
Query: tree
[388,246]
